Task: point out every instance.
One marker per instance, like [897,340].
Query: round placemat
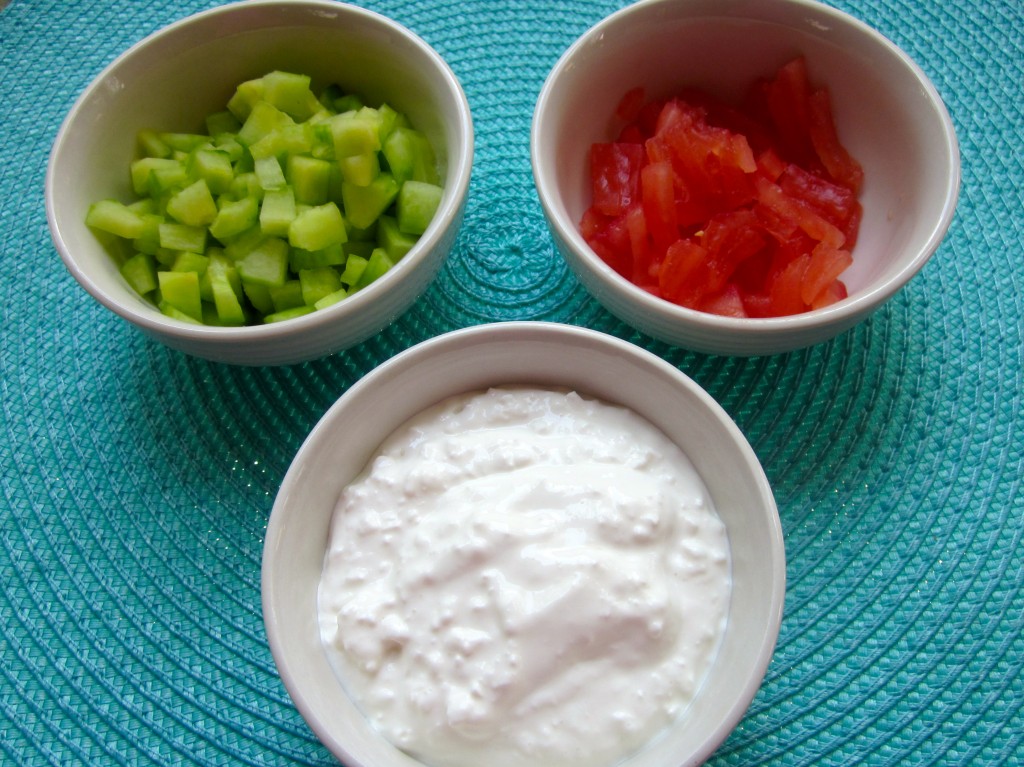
[137,481]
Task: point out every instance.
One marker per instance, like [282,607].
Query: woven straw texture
[136,482]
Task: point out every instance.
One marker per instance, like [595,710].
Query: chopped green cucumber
[116,218]
[417,203]
[318,227]
[180,290]
[266,264]
[365,204]
[289,202]
[140,271]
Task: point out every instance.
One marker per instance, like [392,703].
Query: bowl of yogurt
[521,544]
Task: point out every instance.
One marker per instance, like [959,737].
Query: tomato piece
[791,209]
[684,274]
[728,302]
[835,292]
[658,193]
[615,176]
[630,105]
[825,140]
[770,165]
[639,244]
[833,201]
[788,97]
[824,268]
[609,238]
[730,239]
[785,289]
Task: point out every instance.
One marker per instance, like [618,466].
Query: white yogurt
[524,577]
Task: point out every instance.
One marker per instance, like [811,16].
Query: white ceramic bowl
[888,114]
[536,353]
[178,75]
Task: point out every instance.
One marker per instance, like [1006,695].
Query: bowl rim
[152,321]
[477,339]
[843,313]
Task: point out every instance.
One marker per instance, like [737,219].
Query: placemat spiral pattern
[135,482]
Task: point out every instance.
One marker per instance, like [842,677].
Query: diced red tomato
[657,187]
[728,303]
[824,268]
[745,211]
[685,273]
[615,176]
[631,104]
[833,155]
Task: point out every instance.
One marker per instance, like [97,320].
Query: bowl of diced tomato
[742,178]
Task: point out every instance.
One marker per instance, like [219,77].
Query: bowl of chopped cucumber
[263,183]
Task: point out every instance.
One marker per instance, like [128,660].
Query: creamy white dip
[524,577]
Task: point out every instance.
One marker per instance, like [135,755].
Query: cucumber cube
[417,202]
[395,242]
[235,217]
[285,140]
[245,243]
[151,145]
[181,291]
[182,237]
[354,267]
[116,218]
[300,259]
[266,264]
[229,308]
[264,119]
[140,272]
[190,262]
[399,150]
[360,169]
[148,240]
[287,296]
[317,283]
[288,314]
[268,172]
[291,94]
[183,142]
[172,311]
[220,123]
[376,267]
[278,211]
[317,227]
[354,133]
[364,204]
[259,297]
[309,178]
[330,299]
[214,167]
[245,185]
[194,205]
[245,97]
[142,169]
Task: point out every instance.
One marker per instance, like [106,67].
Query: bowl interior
[176,77]
[888,115]
[536,353]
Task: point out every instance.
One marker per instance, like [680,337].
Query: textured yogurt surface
[524,577]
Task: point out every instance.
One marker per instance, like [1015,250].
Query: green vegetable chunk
[292,200]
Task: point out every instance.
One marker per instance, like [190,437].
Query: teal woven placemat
[136,481]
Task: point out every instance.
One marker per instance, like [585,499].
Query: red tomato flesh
[746,210]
